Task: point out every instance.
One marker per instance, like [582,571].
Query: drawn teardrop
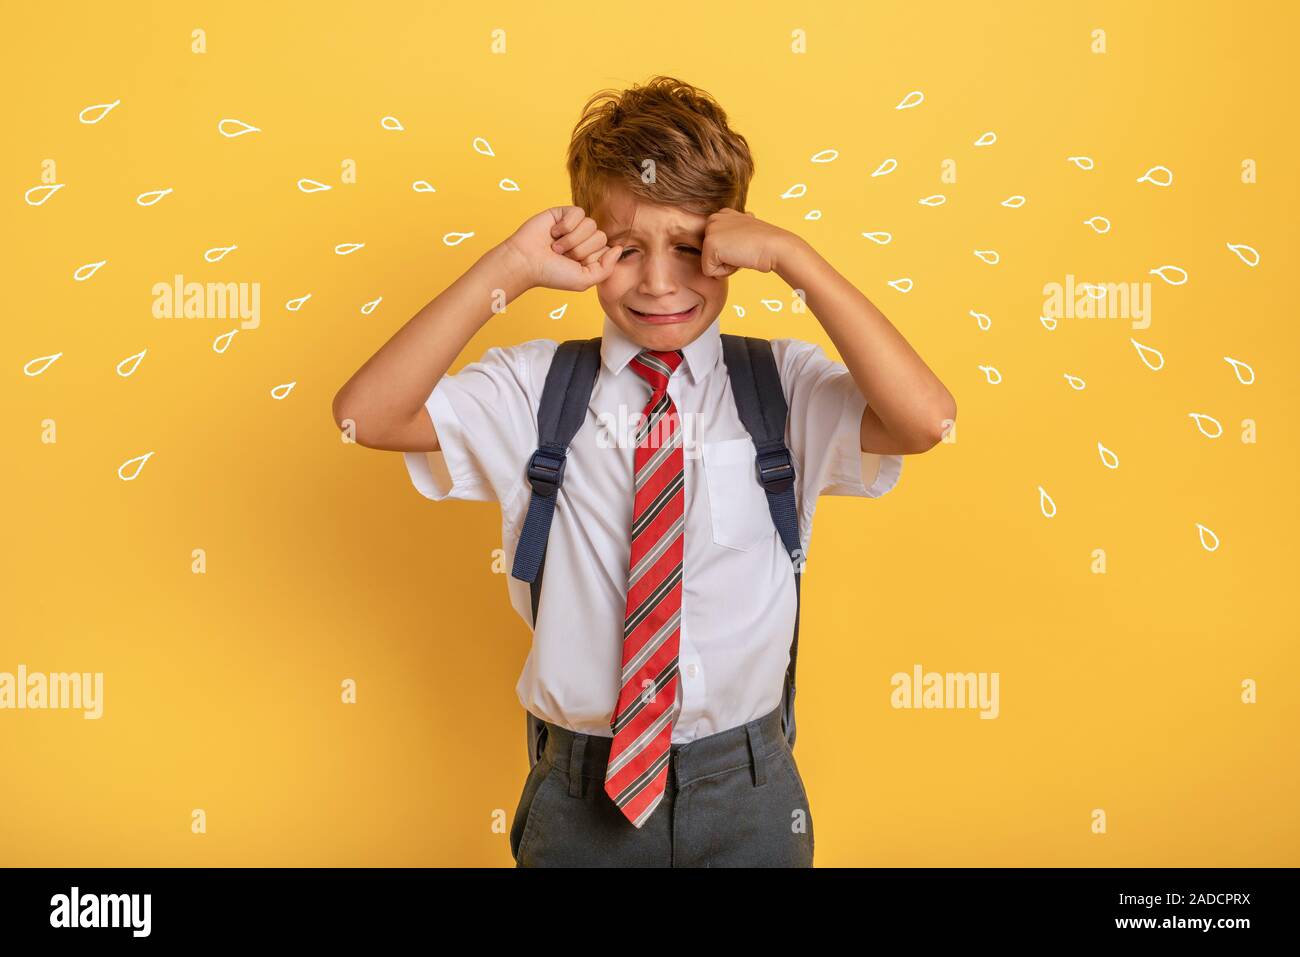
[1175,270]
[222,342]
[455,239]
[218,253]
[1077,384]
[825,156]
[1145,351]
[89,115]
[43,193]
[938,199]
[280,391]
[773,305]
[482,146]
[293,305]
[312,186]
[1237,366]
[1247,254]
[982,319]
[989,256]
[344,249]
[1197,417]
[89,269]
[138,462]
[885,168]
[369,307]
[902,285]
[1205,542]
[559,312]
[231,128]
[392,123]
[34,367]
[130,364]
[987,139]
[508,185]
[991,375]
[152,196]
[881,238]
[1166,180]
[915,98]
[1013,202]
[1108,458]
[1044,502]
[795,191]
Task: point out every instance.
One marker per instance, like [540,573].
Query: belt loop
[576,754]
[754,731]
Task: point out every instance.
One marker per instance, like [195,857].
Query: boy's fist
[561,248]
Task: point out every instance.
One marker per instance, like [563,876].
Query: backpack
[756,386]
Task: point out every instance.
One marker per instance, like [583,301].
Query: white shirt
[738,596]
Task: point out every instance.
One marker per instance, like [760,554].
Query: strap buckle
[775,469]
[546,470]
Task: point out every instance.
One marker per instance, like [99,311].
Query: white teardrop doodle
[231,128]
[907,102]
[885,168]
[987,139]
[1198,417]
[991,375]
[1108,458]
[1202,531]
[795,191]
[369,307]
[1013,202]
[1167,180]
[312,186]
[455,239]
[1177,270]
[293,305]
[882,239]
[391,123]
[280,391]
[1044,502]
[89,116]
[218,253]
[152,196]
[130,364]
[938,199]
[1083,162]
[509,185]
[1144,351]
[1237,366]
[825,156]
[1241,249]
[983,320]
[902,285]
[83,273]
[423,186]
[740,310]
[773,305]
[482,146]
[813,214]
[989,256]
[1077,384]
[559,312]
[34,367]
[45,193]
[138,462]
[222,342]
[1049,322]
[344,249]
[1092,290]
[1099,223]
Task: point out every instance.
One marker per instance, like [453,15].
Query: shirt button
[692,670]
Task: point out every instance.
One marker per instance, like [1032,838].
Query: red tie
[642,722]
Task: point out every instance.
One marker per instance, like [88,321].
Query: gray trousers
[733,799]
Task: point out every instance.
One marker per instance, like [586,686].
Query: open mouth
[665,317]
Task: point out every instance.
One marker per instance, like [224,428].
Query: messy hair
[666,141]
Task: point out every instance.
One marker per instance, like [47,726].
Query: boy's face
[657,294]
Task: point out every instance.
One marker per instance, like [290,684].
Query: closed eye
[629,249]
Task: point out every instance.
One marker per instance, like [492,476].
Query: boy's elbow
[940,421]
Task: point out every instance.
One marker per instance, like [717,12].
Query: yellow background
[1118,691]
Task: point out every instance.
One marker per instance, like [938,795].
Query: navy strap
[561,412]
[760,401]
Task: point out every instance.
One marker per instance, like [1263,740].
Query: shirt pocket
[738,509]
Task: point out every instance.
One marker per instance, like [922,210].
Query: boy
[662,642]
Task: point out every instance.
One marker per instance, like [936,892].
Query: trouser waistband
[752,744]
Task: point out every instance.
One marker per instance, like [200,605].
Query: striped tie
[642,722]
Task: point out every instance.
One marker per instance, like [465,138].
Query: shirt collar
[702,353]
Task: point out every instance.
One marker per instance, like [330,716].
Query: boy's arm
[385,398]
[560,248]
[908,408]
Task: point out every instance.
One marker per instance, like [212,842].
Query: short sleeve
[825,430]
[485,417]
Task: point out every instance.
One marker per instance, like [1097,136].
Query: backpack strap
[760,401]
[562,409]
[560,414]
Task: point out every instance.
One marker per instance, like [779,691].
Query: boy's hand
[735,240]
[561,248]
